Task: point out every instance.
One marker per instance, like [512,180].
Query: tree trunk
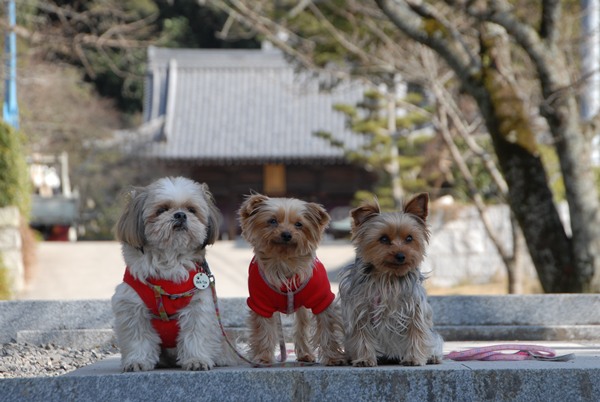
[563,264]
[394,165]
[574,152]
[514,267]
[532,203]
[509,123]
[566,260]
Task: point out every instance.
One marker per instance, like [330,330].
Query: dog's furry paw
[262,358]
[335,361]
[413,362]
[264,361]
[137,366]
[435,360]
[196,365]
[365,363]
[309,358]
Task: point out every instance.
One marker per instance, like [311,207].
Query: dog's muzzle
[180,220]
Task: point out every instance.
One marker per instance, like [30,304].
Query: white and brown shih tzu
[386,314]
[164,311]
[285,276]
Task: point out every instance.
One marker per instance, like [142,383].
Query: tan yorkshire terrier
[386,314]
[285,276]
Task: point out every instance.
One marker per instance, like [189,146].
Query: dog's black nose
[400,257]
[286,236]
[180,216]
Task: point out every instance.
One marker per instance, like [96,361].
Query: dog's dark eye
[161,210]
[409,238]
[298,225]
[192,210]
[384,239]
[272,221]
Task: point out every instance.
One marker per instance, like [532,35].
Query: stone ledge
[519,332]
[73,338]
[458,318]
[578,379]
[46,315]
[9,216]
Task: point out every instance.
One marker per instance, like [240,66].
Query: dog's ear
[130,226]
[214,216]
[418,205]
[318,215]
[251,205]
[364,212]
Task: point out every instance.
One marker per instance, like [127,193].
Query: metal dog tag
[201,281]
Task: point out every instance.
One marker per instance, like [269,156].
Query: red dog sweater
[314,294]
[164,299]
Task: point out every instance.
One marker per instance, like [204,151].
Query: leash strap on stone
[283,363]
[498,353]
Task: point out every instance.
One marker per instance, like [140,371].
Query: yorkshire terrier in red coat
[285,276]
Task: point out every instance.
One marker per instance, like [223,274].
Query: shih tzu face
[169,214]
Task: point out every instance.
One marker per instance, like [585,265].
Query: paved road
[91,270]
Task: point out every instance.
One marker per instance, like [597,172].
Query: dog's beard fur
[387,318]
[284,234]
[164,229]
[384,303]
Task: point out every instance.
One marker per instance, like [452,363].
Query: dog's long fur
[164,229]
[386,313]
[265,222]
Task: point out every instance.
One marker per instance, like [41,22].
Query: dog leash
[522,352]
[283,357]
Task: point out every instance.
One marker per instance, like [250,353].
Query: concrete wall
[461,252]
[11,247]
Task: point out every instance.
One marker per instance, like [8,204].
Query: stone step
[73,338]
[536,318]
[462,318]
[531,380]
[94,338]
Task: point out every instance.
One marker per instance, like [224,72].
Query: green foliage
[116,35]
[106,174]
[382,194]
[552,165]
[5,292]
[483,180]
[14,179]
[368,118]
[325,49]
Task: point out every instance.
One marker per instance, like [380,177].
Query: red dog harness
[314,294]
[164,299]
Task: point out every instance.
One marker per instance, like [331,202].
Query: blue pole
[10,109]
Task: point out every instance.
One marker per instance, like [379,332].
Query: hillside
[61,112]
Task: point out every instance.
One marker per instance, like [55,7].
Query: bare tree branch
[411,24]
[550,15]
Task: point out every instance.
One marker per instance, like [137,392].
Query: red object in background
[59,233]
